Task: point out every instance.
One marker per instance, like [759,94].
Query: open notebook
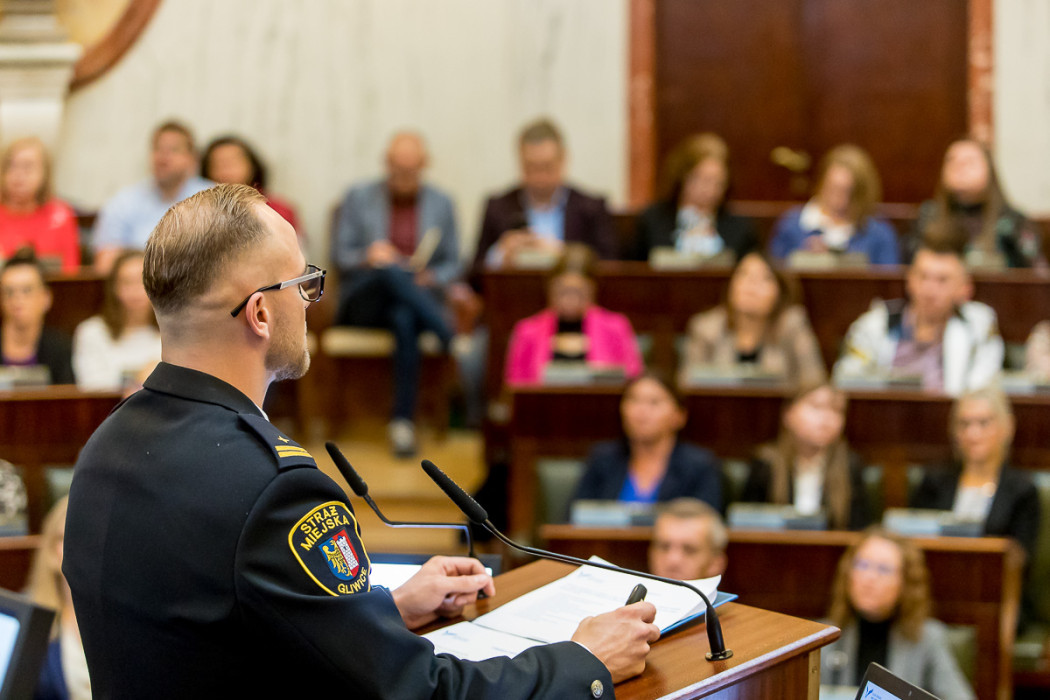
[551,613]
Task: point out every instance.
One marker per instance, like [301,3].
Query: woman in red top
[229,159]
[29,215]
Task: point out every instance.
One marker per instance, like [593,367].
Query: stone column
[36,64]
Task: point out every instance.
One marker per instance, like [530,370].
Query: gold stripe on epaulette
[291,451]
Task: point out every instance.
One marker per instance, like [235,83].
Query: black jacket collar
[198,386]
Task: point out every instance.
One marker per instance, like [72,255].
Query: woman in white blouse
[113,350]
[811,466]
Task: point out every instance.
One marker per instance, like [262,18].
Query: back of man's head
[195,241]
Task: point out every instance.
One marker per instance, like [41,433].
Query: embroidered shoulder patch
[327,544]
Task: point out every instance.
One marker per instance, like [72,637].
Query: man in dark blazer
[543,212]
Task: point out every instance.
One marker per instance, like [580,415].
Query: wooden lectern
[774,655]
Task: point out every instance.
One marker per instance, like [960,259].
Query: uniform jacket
[586,221]
[364,218]
[927,663]
[973,349]
[611,341]
[209,558]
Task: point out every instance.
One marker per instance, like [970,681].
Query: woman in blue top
[650,464]
[839,217]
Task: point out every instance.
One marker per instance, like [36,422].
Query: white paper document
[553,612]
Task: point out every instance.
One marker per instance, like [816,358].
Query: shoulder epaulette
[286,451]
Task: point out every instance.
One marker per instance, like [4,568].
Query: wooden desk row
[660,303]
[891,429]
[792,573]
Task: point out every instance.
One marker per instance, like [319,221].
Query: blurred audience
[13,500]
[689,541]
[840,217]
[543,212]
[572,328]
[126,220]
[760,326]
[881,602]
[650,464]
[1037,352]
[30,215]
[811,466]
[64,674]
[397,250]
[979,484]
[24,339]
[969,204]
[115,349]
[690,215]
[230,160]
[936,334]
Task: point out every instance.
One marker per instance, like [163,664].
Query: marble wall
[1022,101]
[318,86]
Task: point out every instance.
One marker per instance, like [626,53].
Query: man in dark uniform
[208,556]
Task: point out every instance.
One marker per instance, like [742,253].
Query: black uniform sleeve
[301,575]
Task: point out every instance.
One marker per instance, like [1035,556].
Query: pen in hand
[637,595]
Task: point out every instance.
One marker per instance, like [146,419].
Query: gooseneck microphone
[473,510]
[360,488]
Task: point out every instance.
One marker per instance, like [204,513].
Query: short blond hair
[196,239]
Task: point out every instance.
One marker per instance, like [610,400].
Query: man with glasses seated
[209,557]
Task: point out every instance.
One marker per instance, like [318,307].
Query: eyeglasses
[311,287]
[879,569]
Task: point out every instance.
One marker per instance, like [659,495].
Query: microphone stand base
[720,656]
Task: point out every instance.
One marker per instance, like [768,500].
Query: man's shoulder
[584,200]
[505,199]
[131,196]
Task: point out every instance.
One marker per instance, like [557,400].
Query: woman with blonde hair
[64,674]
[690,214]
[881,602]
[979,484]
[811,465]
[30,216]
[760,325]
[840,217]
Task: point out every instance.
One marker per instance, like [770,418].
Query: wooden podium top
[764,644]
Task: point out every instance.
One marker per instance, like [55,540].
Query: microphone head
[471,508]
[357,484]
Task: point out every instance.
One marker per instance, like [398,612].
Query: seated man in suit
[543,212]
[937,334]
[397,251]
[689,541]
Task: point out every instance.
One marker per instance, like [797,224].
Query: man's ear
[259,316]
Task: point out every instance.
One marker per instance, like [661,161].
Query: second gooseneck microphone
[360,488]
[473,510]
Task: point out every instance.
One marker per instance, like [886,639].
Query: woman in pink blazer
[572,328]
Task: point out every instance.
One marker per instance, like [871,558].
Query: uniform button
[597,689]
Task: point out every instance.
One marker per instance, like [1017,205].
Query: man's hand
[514,241]
[442,586]
[621,638]
[382,254]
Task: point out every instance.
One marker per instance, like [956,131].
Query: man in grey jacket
[397,250]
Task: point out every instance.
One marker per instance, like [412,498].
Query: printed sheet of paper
[471,642]
[552,613]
